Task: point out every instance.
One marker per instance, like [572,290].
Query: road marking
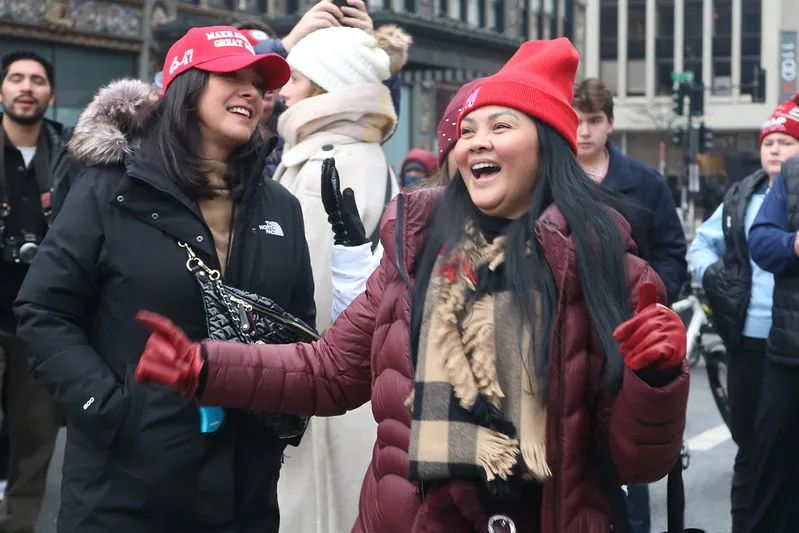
[709,439]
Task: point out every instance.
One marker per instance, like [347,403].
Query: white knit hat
[334,58]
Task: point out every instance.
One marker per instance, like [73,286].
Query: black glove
[342,212]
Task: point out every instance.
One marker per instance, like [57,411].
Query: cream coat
[348,125]
[320,481]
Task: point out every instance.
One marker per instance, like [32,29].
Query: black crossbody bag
[240,316]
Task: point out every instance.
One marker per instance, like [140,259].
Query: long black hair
[598,243]
[174,134]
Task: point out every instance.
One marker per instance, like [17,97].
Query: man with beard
[30,149]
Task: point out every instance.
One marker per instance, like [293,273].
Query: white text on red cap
[229,38]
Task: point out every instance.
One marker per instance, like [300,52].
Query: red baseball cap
[222,49]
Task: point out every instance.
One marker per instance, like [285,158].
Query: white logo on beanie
[777,123]
[472,99]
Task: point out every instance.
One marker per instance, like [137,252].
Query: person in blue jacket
[656,226]
[774,246]
[740,293]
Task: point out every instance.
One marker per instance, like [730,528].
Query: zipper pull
[244,319]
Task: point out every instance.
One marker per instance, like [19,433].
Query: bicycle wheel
[716,366]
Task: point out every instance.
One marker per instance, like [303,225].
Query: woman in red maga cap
[508,334]
[180,169]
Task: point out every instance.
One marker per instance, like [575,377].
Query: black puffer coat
[728,281]
[135,459]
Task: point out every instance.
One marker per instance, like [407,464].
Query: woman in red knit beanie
[508,337]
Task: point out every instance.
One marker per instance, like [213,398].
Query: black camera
[16,249]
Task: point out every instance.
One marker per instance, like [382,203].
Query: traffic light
[679,136]
[677,97]
[759,89]
[697,100]
[705,138]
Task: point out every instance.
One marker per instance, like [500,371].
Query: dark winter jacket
[135,459]
[654,217]
[728,281]
[366,353]
[12,274]
[771,242]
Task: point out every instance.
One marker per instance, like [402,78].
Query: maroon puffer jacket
[366,352]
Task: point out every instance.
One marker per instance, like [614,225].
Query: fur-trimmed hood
[111,122]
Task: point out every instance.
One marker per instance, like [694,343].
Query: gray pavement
[707,480]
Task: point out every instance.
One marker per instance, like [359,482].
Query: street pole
[146,39]
[171,9]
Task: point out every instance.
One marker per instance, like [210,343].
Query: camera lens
[27,252]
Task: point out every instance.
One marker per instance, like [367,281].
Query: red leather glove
[169,357]
[655,336]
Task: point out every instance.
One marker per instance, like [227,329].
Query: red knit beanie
[447,128]
[538,80]
[785,119]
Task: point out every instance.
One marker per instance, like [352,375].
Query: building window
[722,48]
[526,24]
[692,22]
[292,7]
[409,6]
[750,45]
[664,46]
[256,7]
[497,22]
[609,74]
[609,24]
[636,77]
[636,32]
[464,10]
[443,8]
[481,14]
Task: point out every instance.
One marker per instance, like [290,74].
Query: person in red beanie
[509,335]
[774,246]
[417,165]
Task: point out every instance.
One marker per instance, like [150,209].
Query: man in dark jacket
[654,216]
[30,147]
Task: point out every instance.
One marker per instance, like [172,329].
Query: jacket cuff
[654,405]
[271,46]
[203,378]
[658,377]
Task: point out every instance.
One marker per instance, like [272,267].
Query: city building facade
[634,46]
[92,42]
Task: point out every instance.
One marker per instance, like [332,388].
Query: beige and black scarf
[477,409]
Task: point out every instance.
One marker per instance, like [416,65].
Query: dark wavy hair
[599,247]
[174,135]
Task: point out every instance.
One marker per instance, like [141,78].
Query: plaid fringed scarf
[477,410]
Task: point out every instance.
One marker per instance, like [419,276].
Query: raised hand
[341,209]
[655,336]
[169,357]
[323,14]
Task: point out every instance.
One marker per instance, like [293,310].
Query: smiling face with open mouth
[229,109]
[498,157]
